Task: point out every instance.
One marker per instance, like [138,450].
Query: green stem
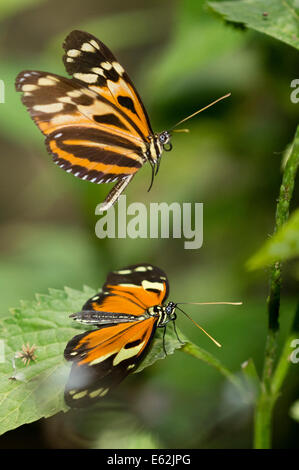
[263,421]
[284,363]
[267,397]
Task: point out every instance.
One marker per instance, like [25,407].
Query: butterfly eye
[164,138]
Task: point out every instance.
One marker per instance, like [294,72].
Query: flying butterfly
[126,314]
[95,123]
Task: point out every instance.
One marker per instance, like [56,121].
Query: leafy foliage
[282,246]
[276,18]
[35,391]
[285,242]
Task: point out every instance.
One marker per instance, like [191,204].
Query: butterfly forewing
[88,60]
[104,357]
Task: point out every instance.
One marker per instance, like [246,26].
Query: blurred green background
[180,56]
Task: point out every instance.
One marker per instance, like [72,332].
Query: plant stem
[267,397]
[263,421]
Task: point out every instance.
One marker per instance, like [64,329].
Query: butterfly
[95,123]
[126,314]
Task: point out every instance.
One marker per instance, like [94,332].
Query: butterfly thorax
[166,313]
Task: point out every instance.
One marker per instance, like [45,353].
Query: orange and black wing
[131,290]
[90,62]
[102,358]
[95,124]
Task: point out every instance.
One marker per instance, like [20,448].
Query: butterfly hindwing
[104,357]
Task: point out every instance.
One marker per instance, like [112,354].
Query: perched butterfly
[126,313]
[95,124]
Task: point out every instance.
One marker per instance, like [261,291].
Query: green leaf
[157,350]
[284,243]
[282,246]
[276,18]
[251,376]
[36,390]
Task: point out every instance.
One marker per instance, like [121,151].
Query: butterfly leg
[115,193]
[164,331]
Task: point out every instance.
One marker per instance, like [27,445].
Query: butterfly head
[166,313]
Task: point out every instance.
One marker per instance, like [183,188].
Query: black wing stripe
[100,156]
[111,120]
[97,136]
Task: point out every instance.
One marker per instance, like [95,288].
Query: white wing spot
[100,392]
[73,53]
[74,93]
[101,358]
[87,47]
[86,77]
[29,87]
[49,108]
[65,99]
[120,70]
[124,271]
[45,81]
[78,395]
[152,285]
[106,65]
[94,44]
[98,71]
[127,353]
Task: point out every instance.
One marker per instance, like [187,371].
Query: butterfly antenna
[182,130]
[209,303]
[199,111]
[200,327]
